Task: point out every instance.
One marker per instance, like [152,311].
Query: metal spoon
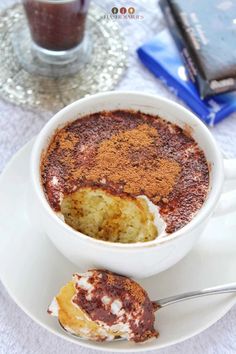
[222,289]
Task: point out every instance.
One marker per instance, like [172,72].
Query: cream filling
[158,220]
[54,308]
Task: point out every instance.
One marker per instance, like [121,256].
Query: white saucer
[32,270]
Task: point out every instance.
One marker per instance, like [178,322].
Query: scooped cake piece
[105,216]
[101,306]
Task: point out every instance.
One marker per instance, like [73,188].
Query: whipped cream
[158,220]
[54,308]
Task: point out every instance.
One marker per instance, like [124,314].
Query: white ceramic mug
[138,260]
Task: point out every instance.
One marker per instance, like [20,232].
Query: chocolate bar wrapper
[205,32]
[162,58]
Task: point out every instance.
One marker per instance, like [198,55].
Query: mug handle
[227,202]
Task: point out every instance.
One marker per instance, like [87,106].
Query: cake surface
[128,153]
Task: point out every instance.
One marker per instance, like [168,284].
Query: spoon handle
[228,288]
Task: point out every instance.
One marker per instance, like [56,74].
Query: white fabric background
[18,333]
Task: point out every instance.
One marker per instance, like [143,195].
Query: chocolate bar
[161,56]
[205,32]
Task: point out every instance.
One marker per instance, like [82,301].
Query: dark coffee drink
[57,25]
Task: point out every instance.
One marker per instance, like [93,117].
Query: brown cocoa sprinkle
[127,158]
[110,279]
[156,199]
[135,289]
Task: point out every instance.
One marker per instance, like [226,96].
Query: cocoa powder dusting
[129,158]
[130,153]
[134,288]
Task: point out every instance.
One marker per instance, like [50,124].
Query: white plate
[32,270]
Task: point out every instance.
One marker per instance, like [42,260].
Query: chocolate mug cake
[124,176]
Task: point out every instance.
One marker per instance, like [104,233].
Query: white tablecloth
[18,333]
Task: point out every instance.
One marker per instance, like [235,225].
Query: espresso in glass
[57,27]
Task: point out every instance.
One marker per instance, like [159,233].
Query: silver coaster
[29,61]
[24,83]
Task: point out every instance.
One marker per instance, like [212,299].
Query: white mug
[138,260]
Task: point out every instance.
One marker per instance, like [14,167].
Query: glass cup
[57,28]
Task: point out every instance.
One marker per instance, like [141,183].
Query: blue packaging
[161,57]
